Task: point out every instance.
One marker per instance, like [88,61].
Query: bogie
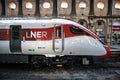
[40,61]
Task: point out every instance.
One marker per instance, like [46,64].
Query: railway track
[109,69]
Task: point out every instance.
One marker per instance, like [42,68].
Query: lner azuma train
[48,41]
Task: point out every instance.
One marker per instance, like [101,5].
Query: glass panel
[58,32]
[77,30]
[15,33]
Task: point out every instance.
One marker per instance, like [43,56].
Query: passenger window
[15,33]
[76,30]
[58,32]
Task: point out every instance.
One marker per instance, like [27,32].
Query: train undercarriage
[41,61]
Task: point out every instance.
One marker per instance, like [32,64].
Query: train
[49,41]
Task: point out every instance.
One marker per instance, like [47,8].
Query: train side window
[15,33]
[58,32]
[77,30]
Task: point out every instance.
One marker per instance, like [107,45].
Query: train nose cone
[108,52]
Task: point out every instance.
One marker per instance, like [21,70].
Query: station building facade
[100,16]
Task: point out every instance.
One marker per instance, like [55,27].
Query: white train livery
[50,41]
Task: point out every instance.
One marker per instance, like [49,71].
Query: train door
[15,38]
[58,39]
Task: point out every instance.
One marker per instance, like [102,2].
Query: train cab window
[58,32]
[77,30]
[15,33]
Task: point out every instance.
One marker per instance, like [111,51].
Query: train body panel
[4,47]
[77,46]
[48,37]
[45,47]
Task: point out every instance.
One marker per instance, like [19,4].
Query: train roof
[41,21]
[36,20]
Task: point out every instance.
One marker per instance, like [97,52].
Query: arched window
[29,5]
[46,5]
[12,5]
[83,22]
[100,25]
[82,5]
[100,30]
[64,5]
[100,5]
[117,5]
